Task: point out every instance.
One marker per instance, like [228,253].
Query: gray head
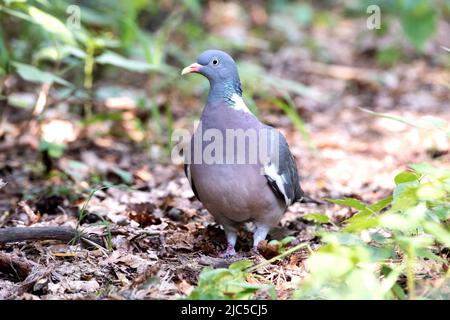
[220,69]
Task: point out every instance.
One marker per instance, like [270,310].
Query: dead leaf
[142,213]
[32,217]
[184,287]
[85,286]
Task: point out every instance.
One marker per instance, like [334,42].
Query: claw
[229,252]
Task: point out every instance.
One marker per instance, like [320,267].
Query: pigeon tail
[307,199]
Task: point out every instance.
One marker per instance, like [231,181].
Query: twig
[17,234]
[278,257]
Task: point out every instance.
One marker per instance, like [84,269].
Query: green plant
[418,18]
[351,263]
[65,47]
[232,282]
[283,244]
[228,283]
[54,150]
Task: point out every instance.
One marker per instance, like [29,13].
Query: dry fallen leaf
[184,287]
[32,217]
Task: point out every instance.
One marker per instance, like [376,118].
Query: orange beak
[195,67]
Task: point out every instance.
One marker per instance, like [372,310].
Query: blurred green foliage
[75,44]
[227,283]
[418,18]
[351,262]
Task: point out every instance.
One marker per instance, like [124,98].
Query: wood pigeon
[238,192]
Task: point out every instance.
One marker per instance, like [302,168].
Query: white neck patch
[238,103]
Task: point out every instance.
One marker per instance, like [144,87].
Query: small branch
[17,234]
[278,257]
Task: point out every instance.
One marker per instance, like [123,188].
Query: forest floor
[161,236]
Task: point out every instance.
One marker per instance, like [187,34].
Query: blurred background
[109,71]
[90,93]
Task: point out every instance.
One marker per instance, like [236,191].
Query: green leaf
[391,276]
[22,100]
[51,25]
[240,265]
[56,53]
[117,60]
[342,238]
[124,175]
[380,253]
[30,73]
[54,150]
[378,237]
[362,224]
[398,291]
[274,242]
[425,253]
[317,217]
[372,209]
[441,233]
[406,176]
[380,205]
[429,170]
[442,212]
[419,20]
[349,202]
[287,240]
[4,55]
[92,17]
[405,196]
[389,56]
[17,14]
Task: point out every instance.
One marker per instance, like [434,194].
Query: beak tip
[195,67]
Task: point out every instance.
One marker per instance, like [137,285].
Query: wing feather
[187,171]
[281,172]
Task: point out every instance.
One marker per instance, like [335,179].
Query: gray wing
[187,171]
[281,172]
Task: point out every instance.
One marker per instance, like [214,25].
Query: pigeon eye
[215,62]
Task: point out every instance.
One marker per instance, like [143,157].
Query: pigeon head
[221,71]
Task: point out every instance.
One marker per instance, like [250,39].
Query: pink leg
[231,239]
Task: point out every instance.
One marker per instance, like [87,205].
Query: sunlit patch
[124,103]
[58,131]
